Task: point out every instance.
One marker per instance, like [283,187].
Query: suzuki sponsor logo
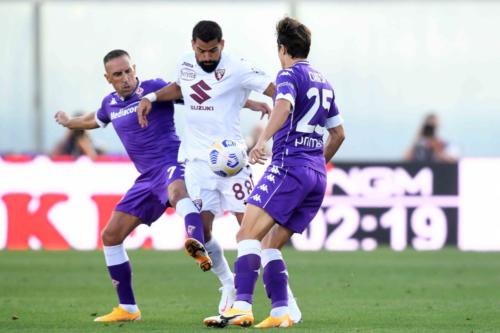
[200,95]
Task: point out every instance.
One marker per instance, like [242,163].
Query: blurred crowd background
[391,63]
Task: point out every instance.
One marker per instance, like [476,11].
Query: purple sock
[246,270]
[276,280]
[194,227]
[121,276]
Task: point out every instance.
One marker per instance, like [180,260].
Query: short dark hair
[207,31]
[295,36]
[114,54]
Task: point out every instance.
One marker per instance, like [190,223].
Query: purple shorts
[291,195]
[147,199]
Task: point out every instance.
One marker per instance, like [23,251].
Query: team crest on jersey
[198,204]
[219,73]
[113,101]
[139,91]
[188,74]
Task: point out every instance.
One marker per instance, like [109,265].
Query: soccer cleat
[119,314]
[270,322]
[231,317]
[196,250]
[214,321]
[295,313]
[227,298]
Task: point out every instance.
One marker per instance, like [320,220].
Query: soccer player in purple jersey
[291,191]
[161,182]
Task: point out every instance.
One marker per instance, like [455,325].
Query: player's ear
[221,44]
[192,44]
[106,76]
[282,50]
[133,67]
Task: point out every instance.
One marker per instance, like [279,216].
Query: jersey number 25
[325,96]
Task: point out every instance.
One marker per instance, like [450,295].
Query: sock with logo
[246,271]
[120,272]
[192,219]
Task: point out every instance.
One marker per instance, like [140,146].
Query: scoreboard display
[400,205]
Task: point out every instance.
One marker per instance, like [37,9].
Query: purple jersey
[153,146]
[299,142]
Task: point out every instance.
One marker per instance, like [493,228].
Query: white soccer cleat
[227,298]
[295,313]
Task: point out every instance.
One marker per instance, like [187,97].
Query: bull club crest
[219,73]
[198,204]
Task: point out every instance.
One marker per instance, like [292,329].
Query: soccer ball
[226,158]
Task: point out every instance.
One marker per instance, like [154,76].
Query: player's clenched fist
[143,109]
[258,153]
[61,118]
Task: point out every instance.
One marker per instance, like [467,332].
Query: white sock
[242,305]
[220,266]
[268,255]
[185,206]
[115,255]
[249,246]
[279,311]
[132,308]
[291,298]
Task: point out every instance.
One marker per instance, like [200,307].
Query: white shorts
[215,193]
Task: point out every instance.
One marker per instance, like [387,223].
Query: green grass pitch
[380,291]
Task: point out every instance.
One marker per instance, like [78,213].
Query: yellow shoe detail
[119,314]
[231,317]
[270,322]
[196,250]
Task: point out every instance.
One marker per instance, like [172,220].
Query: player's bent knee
[243,234]
[176,192]
[110,237]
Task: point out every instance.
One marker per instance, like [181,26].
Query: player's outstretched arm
[333,142]
[278,117]
[87,121]
[270,90]
[258,107]
[171,92]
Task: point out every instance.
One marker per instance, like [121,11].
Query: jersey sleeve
[101,116]
[253,78]
[334,118]
[157,84]
[286,86]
